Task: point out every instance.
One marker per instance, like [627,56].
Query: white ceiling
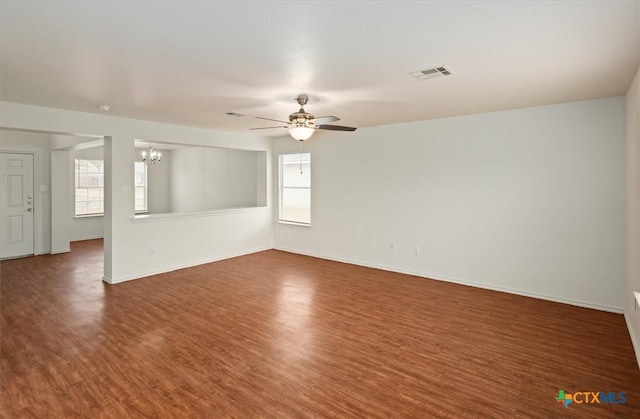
[188,62]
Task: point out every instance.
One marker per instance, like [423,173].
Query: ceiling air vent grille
[432,73]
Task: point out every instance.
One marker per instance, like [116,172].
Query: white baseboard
[618,310]
[182,266]
[634,338]
[91,237]
[57,251]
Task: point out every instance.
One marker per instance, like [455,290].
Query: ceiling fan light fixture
[302,124]
[301,133]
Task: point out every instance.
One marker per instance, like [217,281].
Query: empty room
[320,209]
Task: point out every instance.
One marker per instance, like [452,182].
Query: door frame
[36,192]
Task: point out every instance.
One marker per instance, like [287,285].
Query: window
[140,184]
[89,177]
[89,181]
[295,188]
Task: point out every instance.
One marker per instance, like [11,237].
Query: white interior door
[16,204]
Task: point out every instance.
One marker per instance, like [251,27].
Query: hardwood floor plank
[278,335]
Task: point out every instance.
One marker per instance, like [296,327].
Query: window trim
[281,188]
[146,190]
[75,189]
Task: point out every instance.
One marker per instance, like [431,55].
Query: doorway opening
[38,194]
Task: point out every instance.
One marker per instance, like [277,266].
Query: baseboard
[618,310]
[92,237]
[57,251]
[634,339]
[183,266]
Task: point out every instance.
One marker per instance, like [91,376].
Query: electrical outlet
[416,251]
[392,246]
[153,251]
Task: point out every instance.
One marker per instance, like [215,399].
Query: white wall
[177,241]
[83,228]
[632,311]
[211,178]
[530,200]
[61,208]
[40,145]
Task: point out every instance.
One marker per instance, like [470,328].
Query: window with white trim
[140,185]
[89,193]
[89,187]
[295,188]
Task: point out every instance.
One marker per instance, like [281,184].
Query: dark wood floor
[277,335]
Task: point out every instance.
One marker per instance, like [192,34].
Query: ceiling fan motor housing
[302,119]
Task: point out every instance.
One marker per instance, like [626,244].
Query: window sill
[180,215]
[89,216]
[293,223]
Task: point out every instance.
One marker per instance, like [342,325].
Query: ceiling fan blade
[282,126]
[326,119]
[336,128]
[269,119]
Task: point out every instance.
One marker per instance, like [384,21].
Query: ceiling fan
[302,124]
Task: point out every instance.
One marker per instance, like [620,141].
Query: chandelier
[151,157]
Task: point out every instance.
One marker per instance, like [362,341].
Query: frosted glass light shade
[301,133]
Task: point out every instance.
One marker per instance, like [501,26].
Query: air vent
[432,73]
[236,114]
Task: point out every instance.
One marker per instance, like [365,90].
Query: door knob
[29,209]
